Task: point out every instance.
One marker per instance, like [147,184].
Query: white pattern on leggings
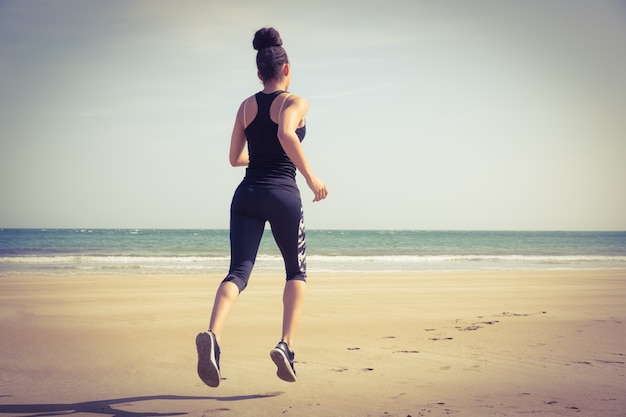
[302,243]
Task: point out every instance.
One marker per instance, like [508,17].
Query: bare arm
[292,114]
[238,155]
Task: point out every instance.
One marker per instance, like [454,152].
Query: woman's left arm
[238,155]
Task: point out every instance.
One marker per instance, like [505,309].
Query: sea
[161,251]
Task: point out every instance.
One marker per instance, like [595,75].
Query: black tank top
[269,164]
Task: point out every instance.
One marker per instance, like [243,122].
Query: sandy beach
[413,344]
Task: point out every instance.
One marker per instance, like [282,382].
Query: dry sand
[412,344]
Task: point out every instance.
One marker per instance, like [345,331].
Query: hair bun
[266,38]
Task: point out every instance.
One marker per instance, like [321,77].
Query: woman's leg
[246,232]
[293,301]
[289,233]
[225,297]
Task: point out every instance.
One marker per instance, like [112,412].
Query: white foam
[339,263]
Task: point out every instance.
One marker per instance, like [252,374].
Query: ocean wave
[321,263]
[107,259]
[470,258]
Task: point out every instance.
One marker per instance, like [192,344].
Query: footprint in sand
[609,361]
[476,326]
[509,314]
[469,328]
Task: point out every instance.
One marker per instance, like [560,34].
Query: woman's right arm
[294,111]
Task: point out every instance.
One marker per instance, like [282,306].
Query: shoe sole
[284,371]
[208,371]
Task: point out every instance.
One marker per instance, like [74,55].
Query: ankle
[217,336]
[288,342]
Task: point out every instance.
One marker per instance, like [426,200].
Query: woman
[272,124]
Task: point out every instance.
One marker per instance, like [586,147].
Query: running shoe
[283,358]
[208,358]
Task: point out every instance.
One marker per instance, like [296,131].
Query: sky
[429,115]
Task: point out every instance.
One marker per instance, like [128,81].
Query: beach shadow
[105,407]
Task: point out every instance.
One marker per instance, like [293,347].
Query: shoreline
[486,343]
[278,272]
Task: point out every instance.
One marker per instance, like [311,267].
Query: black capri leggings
[251,207]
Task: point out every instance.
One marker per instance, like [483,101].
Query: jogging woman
[272,124]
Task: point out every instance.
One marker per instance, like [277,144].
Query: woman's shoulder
[247,102]
[249,99]
[292,99]
[247,110]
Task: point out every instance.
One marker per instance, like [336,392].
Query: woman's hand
[318,187]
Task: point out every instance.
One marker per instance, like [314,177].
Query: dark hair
[271,55]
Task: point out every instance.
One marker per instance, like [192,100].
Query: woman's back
[269,163]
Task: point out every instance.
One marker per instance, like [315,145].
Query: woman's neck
[273,86]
